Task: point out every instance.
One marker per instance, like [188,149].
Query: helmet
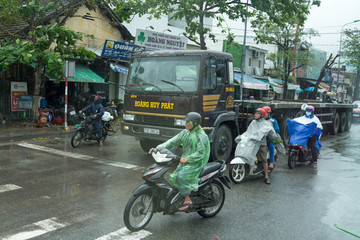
[303,107]
[193,116]
[310,108]
[267,109]
[96,97]
[261,111]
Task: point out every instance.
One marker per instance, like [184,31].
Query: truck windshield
[157,73]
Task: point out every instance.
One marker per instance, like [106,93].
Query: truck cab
[163,86]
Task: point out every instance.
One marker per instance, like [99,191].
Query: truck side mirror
[220,70]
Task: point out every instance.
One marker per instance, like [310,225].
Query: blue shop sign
[120,50]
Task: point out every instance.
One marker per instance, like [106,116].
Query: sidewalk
[24,131]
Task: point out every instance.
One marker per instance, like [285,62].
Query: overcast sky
[328,20]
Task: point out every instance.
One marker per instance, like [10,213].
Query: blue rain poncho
[196,148]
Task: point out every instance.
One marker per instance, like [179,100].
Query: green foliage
[193,12]
[43,46]
[352,47]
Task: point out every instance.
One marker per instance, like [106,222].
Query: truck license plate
[151,131]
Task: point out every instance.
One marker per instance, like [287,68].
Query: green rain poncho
[196,148]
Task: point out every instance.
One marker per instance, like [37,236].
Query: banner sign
[17,89]
[159,41]
[25,102]
[120,50]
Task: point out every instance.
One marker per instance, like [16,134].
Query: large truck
[163,86]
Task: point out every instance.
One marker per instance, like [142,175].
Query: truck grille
[159,121]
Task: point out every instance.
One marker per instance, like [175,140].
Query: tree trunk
[36,93]
[285,77]
[356,90]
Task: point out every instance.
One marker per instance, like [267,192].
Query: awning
[324,87]
[280,83]
[250,82]
[82,74]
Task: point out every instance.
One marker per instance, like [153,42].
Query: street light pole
[243,55]
[341,32]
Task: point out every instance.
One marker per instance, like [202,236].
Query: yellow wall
[101,28]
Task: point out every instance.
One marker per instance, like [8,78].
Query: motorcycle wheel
[238,172]
[218,194]
[292,160]
[76,138]
[138,211]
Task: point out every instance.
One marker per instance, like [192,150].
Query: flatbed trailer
[163,86]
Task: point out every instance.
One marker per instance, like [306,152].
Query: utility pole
[243,49]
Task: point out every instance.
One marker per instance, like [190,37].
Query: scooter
[240,168]
[156,194]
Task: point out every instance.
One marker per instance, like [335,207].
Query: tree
[329,63]
[352,55]
[194,12]
[45,46]
[284,38]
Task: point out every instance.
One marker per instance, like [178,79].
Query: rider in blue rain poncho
[196,152]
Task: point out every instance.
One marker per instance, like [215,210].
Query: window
[210,74]
[259,63]
[249,62]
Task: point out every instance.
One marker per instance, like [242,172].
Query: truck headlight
[180,122]
[129,117]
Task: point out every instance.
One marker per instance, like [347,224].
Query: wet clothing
[95,108]
[271,145]
[196,148]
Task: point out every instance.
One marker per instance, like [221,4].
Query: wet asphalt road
[49,190]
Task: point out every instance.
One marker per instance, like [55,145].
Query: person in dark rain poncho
[196,152]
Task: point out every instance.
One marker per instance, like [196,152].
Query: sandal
[267,181]
[271,165]
[185,206]
[255,168]
[315,164]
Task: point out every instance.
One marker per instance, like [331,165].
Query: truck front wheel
[146,144]
[222,144]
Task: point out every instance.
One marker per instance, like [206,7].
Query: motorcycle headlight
[180,122]
[129,117]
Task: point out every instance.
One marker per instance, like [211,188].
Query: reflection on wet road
[50,190]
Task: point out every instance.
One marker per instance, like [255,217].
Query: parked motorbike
[87,132]
[72,117]
[240,168]
[156,194]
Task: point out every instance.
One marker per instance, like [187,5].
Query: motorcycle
[299,134]
[88,133]
[156,194]
[298,153]
[240,168]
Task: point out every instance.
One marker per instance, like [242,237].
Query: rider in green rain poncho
[196,152]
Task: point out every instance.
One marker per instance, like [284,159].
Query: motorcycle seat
[210,167]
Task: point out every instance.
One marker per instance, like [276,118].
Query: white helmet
[107,117]
[303,107]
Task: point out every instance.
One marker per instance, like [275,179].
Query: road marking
[37,229]
[125,234]
[9,187]
[81,156]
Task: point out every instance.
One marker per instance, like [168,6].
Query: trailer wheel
[343,122]
[335,124]
[222,144]
[348,121]
[284,131]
